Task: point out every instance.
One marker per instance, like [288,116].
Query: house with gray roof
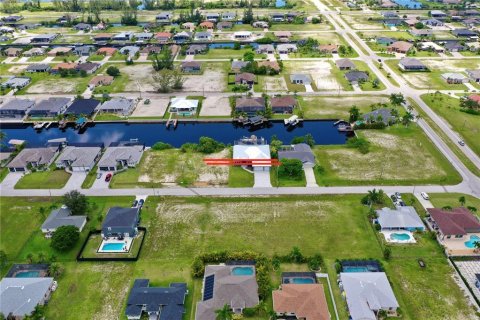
[250,105]
[82,26]
[50,107]
[143,36]
[237,65]
[62,217]
[161,303]
[196,49]
[32,157]
[454,78]
[345,64]
[203,36]
[84,50]
[34,52]
[20,296]
[301,151]
[401,218]
[300,78]
[411,64]
[131,51]
[44,38]
[78,159]
[16,82]
[286,48]
[356,77]
[223,286]
[265,48]
[119,157]
[380,115]
[367,293]
[122,106]
[38,67]
[474,75]
[16,108]
[121,222]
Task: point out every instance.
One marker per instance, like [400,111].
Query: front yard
[49,179]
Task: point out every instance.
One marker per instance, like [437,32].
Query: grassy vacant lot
[467,125]
[42,82]
[440,200]
[50,179]
[172,167]
[398,156]
[226,53]
[433,78]
[336,107]
[180,228]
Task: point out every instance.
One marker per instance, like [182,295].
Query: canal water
[323,132]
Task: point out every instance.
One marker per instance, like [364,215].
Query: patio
[113,245]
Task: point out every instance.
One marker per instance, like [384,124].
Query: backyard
[180,228]
[398,156]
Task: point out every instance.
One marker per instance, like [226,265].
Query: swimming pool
[28,274]
[400,236]
[242,271]
[113,246]
[302,280]
[471,243]
[355,269]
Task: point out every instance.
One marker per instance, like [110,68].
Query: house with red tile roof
[107,51]
[457,223]
[303,301]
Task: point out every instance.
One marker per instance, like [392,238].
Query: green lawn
[90,179]
[239,178]
[284,181]
[225,53]
[96,57]
[467,125]
[180,228]
[3,173]
[387,163]
[441,200]
[50,179]
[94,242]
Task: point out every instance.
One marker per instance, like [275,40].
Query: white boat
[292,121]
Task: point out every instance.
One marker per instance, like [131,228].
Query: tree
[76,202]
[387,252]
[296,255]
[407,118]
[354,114]
[469,104]
[224,314]
[65,238]
[163,80]
[177,80]
[292,168]
[249,56]
[374,197]
[248,15]
[462,201]
[397,99]
[163,60]
[3,259]
[41,257]
[30,257]
[54,270]
[113,71]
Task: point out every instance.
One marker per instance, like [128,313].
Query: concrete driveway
[101,183]
[310,177]
[308,88]
[425,203]
[11,180]
[262,179]
[75,181]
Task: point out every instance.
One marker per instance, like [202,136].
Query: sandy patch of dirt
[451,65]
[156,108]
[418,79]
[54,86]
[275,84]
[209,81]
[17,69]
[356,22]
[215,106]
[141,74]
[320,72]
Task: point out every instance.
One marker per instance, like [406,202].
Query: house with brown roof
[191,67]
[250,105]
[400,47]
[59,51]
[245,78]
[328,48]
[301,301]
[107,51]
[209,25]
[103,37]
[345,64]
[273,65]
[12,52]
[283,35]
[284,104]
[64,66]
[163,37]
[100,80]
[457,229]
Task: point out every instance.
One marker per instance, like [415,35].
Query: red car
[108,177]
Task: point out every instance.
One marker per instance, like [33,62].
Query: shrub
[387,252]
[315,262]
[338,266]
[188,147]
[361,144]
[319,169]
[377,227]
[113,71]
[292,168]
[296,256]
[249,312]
[209,145]
[161,146]
[65,238]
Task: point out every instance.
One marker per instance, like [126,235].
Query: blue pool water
[410,4]
[355,269]
[471,243]
[400,236]
[28,274]
[113,247]
[242,271]
[302,280]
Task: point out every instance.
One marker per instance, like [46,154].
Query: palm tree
[462,200]
[30,257]
[225,313]
[41,257]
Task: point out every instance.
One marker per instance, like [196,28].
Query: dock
[251,121]
[292,121]
[169,120]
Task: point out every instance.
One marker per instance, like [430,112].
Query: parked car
[398,195]
[424,195]
[108,177]
[141,202]
[460,142]
[99,175]
[134,204]
[394,199]
[402,204]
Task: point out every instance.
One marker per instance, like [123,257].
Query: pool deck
[127,242]
[456,247]
[387,235]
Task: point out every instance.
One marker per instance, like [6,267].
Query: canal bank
[323,132]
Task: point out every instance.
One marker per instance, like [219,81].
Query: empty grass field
[398,156]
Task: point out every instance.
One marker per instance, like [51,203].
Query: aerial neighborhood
[251,159]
